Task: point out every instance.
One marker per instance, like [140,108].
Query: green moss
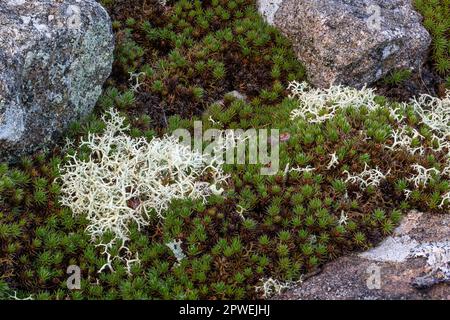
[277,226]
[195,52]
[397,77]
[436,15]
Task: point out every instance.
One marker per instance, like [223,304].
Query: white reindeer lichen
[271,286]
[445,200]
[343,219]
[240,211]
[404,136]
[434,112]
[135,80]
[402,140]
[368,177]
[394,112]
[407,193]
[302,170]
[128,180]
[15,297]
[334,161]
[319,105]
[423,175]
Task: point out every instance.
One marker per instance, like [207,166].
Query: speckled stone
[54,58]
[351,42]
[413,263]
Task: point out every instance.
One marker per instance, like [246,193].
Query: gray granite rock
[54,58]
[351,42]
[413,263]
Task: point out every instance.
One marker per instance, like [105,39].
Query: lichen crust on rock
[54,59]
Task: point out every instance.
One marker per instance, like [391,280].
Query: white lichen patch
[437,255]
[343,219]
[268,9]
[271,287]
[434,112]
[15,297]
[124,255]
[301,170]
[445,199]
[334,161]
[397,113]
[403,138]
[423,176]
[368,177]
[175,247]
[128,180]
[393,249]
[401,247]
[319,105]
[135,80]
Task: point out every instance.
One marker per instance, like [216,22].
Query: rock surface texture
[414,263]
[351,42]
[54,59]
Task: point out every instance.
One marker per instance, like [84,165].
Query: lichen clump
[141,214]
[133,180]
